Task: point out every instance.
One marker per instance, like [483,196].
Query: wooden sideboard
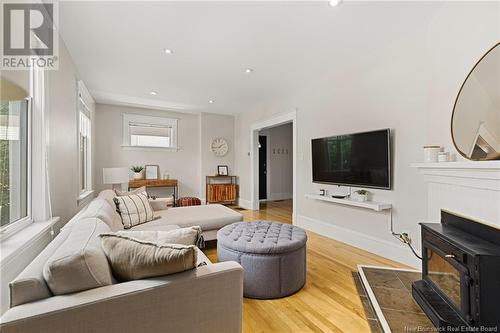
[221,189]
[172,183]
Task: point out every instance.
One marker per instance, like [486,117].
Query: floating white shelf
[376,206]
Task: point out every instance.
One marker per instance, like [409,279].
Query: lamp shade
[115,175]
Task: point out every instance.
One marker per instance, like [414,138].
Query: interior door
[262,167]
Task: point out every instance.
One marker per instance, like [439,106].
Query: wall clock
[219,147]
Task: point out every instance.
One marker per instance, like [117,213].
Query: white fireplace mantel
[469,188]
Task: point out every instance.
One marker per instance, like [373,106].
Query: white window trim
[154,120]
[85,104]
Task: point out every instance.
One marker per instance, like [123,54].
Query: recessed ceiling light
[249,70]
[334,3]
[154,93]
[211,101]
[168,51]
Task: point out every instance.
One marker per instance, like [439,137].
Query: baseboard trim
[280,196]
[381,247]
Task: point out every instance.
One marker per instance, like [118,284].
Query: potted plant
[137,171]
[362,195]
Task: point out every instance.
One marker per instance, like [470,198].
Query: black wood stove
[460,286]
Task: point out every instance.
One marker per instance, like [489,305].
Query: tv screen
[359,159]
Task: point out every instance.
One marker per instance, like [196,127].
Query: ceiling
[118,48]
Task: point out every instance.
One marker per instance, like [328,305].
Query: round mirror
[475,124]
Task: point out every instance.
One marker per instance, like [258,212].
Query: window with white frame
[24,196]
[149,131]
[14,161]
[15,151]
[84,141]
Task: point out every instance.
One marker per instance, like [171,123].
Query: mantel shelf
[467,165]
[376,206]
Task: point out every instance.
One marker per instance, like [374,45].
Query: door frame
[280,119]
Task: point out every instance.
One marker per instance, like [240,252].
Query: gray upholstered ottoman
[273,256]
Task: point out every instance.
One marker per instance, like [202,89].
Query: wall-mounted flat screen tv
[358,159]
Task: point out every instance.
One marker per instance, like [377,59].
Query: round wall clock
[219,146]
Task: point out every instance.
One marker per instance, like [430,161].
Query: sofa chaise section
[209,217]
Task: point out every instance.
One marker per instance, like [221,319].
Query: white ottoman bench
[273,256]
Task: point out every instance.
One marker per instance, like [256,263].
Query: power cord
[404,238]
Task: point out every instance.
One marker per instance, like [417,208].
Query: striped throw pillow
[134,209]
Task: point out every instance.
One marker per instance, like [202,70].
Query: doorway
[258,177]
[262,167]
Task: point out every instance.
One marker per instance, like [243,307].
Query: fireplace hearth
[460,285]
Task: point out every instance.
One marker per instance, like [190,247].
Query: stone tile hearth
[387,300]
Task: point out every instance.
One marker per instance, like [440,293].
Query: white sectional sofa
[205,299]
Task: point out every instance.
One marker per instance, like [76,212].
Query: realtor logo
[29,35]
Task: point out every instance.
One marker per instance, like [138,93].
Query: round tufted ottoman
[273,256]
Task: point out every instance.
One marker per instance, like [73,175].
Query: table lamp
[115,176]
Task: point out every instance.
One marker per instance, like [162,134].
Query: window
[24,194]
[84,153]
[14,161]
[150,132]
[84,141]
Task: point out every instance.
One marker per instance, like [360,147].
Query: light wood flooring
[328,302]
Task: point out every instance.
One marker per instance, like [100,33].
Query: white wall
[182,165]
[279,162]
[189,165]
[63,137]
[215,126]
[407,83]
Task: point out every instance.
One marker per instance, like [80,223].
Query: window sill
[84,197]
[175,149]
[22,239]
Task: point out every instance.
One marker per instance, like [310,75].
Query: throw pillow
[133,259]
[182,236]
[79,263]
[134,209]
[136,191]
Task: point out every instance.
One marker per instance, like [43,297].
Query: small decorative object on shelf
[361,195]
[222,170]
[137,171]
[443,156]
[431,153]
[152,171]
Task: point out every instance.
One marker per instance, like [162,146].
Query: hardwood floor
[328,302]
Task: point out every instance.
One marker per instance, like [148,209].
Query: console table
[172,183]
[221,189]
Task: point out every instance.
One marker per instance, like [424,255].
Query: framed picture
[152,171]
[222,170]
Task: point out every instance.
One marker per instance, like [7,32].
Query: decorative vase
[137,175]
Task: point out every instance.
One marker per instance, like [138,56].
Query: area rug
[387,292]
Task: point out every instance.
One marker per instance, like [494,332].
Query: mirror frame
[458,95]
